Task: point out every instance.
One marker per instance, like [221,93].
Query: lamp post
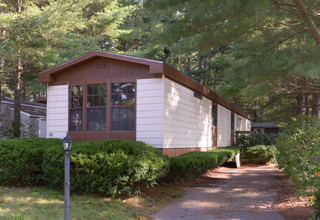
[67,144]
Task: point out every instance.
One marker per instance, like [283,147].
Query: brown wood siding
[232,137]
[48,76]
[102,69]
[174,152]
[214,137]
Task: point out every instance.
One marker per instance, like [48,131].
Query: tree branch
[313,29]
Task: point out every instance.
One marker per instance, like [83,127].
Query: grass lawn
[43,203]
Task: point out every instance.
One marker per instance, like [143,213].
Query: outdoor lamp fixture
[67,144]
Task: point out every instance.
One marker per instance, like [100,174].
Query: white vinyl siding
[224,127]
[243,124]
[57,111]
[187,119]
[42,128]
[149,107]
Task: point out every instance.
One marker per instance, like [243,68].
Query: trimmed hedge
[195,163]
[21,160]
[259,154]
[111,167]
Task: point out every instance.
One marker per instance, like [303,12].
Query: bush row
[259,138]
[21,160]
[111,167]
[259,154]
[195,163]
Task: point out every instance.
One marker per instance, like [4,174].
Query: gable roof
[155,68]
[47,75]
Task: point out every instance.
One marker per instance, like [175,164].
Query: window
[123,107]
[96,107]
[75,111]
[88,107]
[232,121]
[214,115]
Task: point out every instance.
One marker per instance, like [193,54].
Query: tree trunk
[205,63]
[19,6]
[209,82]
[189,65]
[300,106]
[200,62]
[4,32]
[166,52]
[1,78]
[315,105]
[313,29]
[255,111]
[16,124]
[306,103]
[1,73]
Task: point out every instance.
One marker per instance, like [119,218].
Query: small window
[123,107]
[96,107]
[214,115]
[197,95]
[76,105]
[232,121]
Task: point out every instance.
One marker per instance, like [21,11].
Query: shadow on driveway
[245,193]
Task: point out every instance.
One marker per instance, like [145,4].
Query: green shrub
[259,154]
[259,138]
[21,160]
[299,153]
[195,163]
[111,167]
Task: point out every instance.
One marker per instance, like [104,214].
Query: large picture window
[76,105]
[93,109]
[96,107]
[123,107]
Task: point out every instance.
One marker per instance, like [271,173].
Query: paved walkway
[245,193]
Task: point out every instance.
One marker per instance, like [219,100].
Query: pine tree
[41,34]
[274,44]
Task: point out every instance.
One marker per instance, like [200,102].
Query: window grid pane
[96,119]
[122,107]
[75,105]
[75,120]
[122,119]
[96,107]
[76,97]
[96,94]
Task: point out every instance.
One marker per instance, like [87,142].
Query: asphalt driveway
[245,193]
